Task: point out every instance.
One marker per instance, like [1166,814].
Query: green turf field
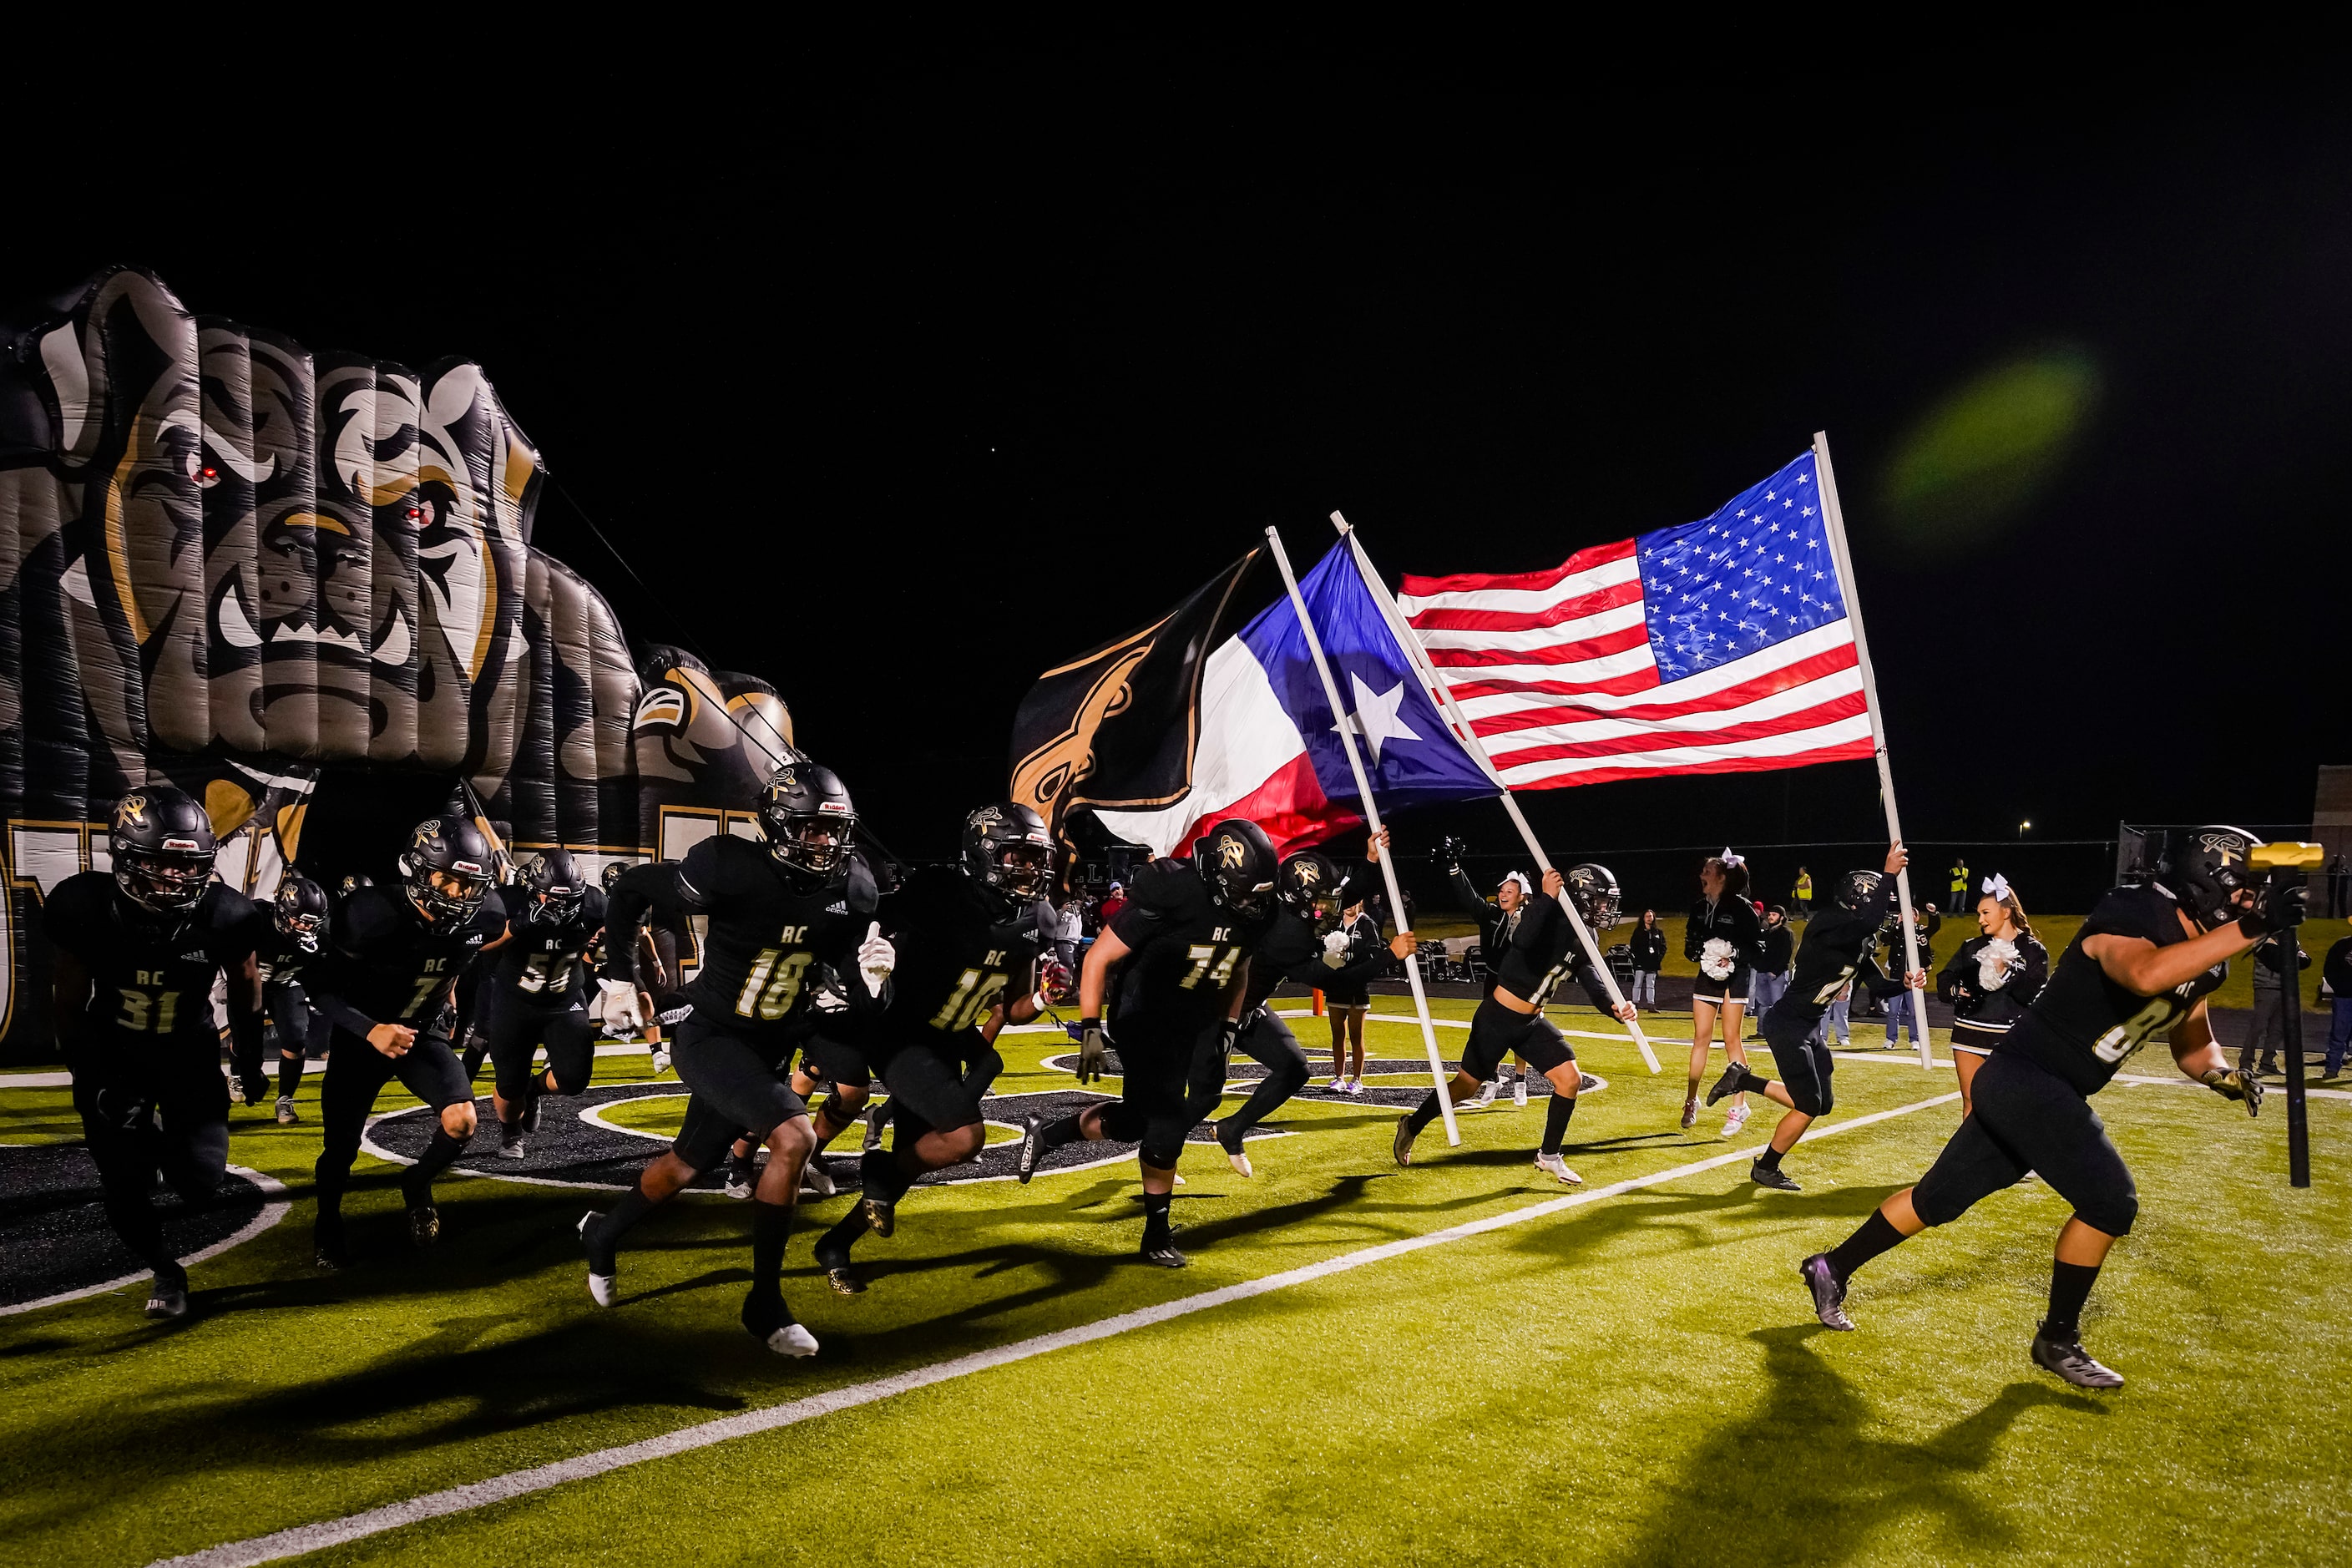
[1626,1376]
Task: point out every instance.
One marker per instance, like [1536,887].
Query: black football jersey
[388,964]
[1838,948]
[1291,949]
[959,948]
[768,930]
[151,975]
[1182,949]
[2084,1026]
[280,961]
[1996,1007]
[545,967]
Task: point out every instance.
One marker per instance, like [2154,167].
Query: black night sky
[901,376]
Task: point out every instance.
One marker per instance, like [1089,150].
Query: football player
[1725,938]
[286,943]
[1532,948]
[962,934]
[536,993]
[1303,943]
[1838,948]
[775,909]
[1185,935]
[384,984]
[135,951]
[2140,965]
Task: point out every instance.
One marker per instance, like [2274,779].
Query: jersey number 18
[771,987]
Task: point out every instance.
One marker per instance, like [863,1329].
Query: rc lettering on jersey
[793,934]
[1221,934]
[995,959]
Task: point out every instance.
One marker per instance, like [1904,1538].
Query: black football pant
[1264,1040]
[1804,1061]
[515,1034]
[356,1073]
[1496,1032]
[738,1088]
[1154,1068]
[142,1114]
[2023,1118]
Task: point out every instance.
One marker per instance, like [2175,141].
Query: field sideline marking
[274,1204]
[302,1538]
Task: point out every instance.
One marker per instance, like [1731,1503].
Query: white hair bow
[1996,886]
[1729,860]
[1521,879]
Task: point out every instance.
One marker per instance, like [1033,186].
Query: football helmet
[1311,884]
[299,911]
[1594,890]
[1006,847]
[2206,867]
[1236,860]
[163,849]
[1857,889]
[448,867]
[807,815]
[611,874]
[553,885]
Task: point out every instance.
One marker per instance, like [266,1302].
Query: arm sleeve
[1467,898]
[1876,980]
[326,992]
[2027,983]
[1587,977]
[1950,975]
[661,884]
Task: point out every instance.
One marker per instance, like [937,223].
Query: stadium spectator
[1113,902]
[1771,977]
[1959,883]
[2337,971]
[2270,1009]
[1804,894]
[2335,883]
[1906,1007]
[1071,926]
[1649,946]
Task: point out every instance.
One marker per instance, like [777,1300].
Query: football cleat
[882,1214]
[771,1322]
[423,1225]
[1733,1081]
[1033,1148]
[1403,1147]
[603,1269]
[816,1182]
[287,1115]
[530,1111]
[1690,1114]
[1733,1119]
[875,1122]
[838,1272]
[2069,1361]
[1553,1165]
[1164,1256]
[168,1298]
[1231,1144]
[1829,1292]
[743,1176]
[510,1137]
[329,1250]
[1775,1178]
[1479,1101]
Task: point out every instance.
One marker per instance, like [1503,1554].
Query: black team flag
[1115,727]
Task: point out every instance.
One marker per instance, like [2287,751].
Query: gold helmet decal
[1232,851]
[132,809]
[1309,873]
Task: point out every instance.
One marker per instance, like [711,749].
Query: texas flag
[1269,746]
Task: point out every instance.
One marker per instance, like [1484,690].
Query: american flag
[1723,645]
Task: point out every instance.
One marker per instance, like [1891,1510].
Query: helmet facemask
[167,881]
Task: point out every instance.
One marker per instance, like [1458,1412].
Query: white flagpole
[1410,639]
[1833,524]
[1371,815]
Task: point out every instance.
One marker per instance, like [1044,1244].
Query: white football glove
[1715,958]
[875,959]
[621,1004]
[1996,962]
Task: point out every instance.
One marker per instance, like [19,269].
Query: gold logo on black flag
[1045,776]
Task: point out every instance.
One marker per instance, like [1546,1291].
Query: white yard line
[302,1538]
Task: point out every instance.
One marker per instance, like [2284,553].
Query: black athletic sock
[844,1233]
[417,1182]
[1556,1115]
[289,1075]
[772,1225]
[471,1058]
[2070,1287]
[874,1173]
[1770,1161]
[633,1206]
[743,1170]
[1054,1134]
[1156,1232]
[327,1185]
[1425,1113]
[1877,1234]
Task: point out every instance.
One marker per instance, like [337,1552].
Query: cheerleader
[1991,981]
[1724,937]
[1348,1001]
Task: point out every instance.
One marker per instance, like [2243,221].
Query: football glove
[1093,1048]
[2243,1086]
[1054,979]
[875,959]
[2279,907]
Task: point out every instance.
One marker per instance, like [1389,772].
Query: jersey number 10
[974,995]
